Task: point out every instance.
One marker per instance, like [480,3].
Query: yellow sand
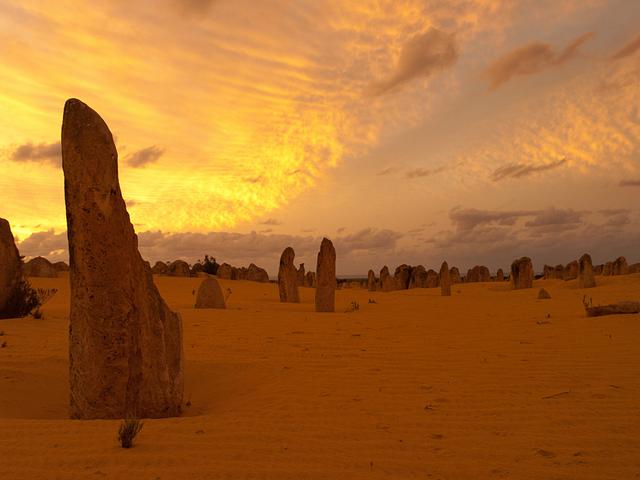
[481,385]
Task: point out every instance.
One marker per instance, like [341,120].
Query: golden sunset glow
[257,116]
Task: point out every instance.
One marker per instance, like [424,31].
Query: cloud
[630,183]
[530,59]
[424,172]
[144,157]
[271,221]
[553,220]
[518,170]
[421,56]
[465,219]
[194,7]
[387,171]
[629,49]
[48,244]
[41,153]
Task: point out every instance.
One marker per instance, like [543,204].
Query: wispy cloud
[424,172]
[518,170]
[530,59]
[421,56]
[630,183]
[40,153]
[144,156]
[627,50]
[271,221]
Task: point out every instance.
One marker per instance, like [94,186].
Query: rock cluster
[326,277]
[125,344]
[479,273]
[40,267]
[288,277]
[522,273]
[179,268]
[454,273]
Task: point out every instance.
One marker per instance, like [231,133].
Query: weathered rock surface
[387,282]
[257,274]
[479,273]
[454,273]
[61,266]
[620,267]
[522,273]
[288,277]
[225,271]
[311,279]
[402,277]
[301,278]
[433,279]
[179,268]
[445,280]
[570,271]
[125,345]
[160,268]
[10,270]
[500,275]
[371,281]
[326,277]
[586,278]
[418,277]
[607,269]
[40,267]
[210,294]
[543,294]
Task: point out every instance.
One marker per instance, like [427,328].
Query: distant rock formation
[607,269]
[586,278]
[125,344]
[210,294]
[179,268]
[224,271]
[620,267]
[40,267]
[402,277]
[301,276]
[479,273]
[543,294]
[418,277]
[433,279]
[500,275]
[160,268]
[387,283]
[256,274]
[445,280]
[597,270]
[326,277]
[454,273]
[10,271]
[311,279]
[570,271]
[288,277]
[61,266]
[634,268]
[371,281]
[522,273]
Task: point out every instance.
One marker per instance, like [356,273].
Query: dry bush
[129,428]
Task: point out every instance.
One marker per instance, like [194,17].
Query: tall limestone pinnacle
[125,344]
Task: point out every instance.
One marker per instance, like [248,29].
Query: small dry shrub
[129,428]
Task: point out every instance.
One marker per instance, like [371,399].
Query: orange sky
[407,131]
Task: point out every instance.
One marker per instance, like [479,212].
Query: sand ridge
[488,383]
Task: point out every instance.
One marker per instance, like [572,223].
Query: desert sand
[488,383]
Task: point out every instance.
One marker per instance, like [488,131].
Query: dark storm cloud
[144,156]
[629,49]
[41,153]
[421,56]
[530,59]
[518,170]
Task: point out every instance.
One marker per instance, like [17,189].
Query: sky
[407,131]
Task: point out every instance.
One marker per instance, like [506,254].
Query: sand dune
[488,383]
